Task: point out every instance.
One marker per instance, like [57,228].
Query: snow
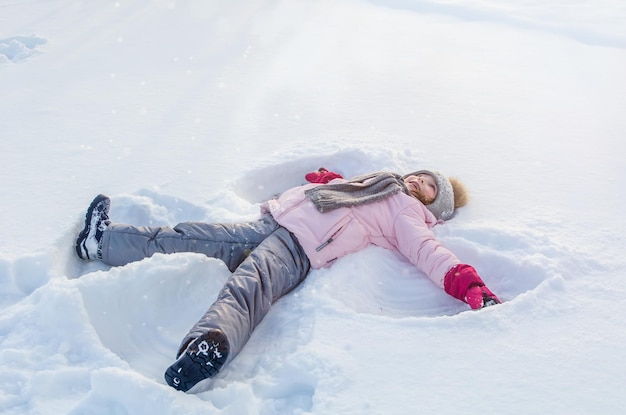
[200,110]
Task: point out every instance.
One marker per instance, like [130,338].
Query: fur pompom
[461,197]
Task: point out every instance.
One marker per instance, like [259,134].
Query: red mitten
[462,282]
[479,297]
[322,176]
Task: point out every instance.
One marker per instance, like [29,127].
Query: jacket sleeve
[417,242]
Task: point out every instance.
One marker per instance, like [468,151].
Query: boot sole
[203,359]
[81,250]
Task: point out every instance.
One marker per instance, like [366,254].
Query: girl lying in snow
[306,227]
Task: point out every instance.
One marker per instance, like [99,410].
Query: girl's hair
[461,197]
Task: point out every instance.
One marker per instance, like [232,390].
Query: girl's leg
[274,268]
[122,244]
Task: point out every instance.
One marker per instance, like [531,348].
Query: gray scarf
[360,190]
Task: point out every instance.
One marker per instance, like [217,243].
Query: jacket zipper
[329,240]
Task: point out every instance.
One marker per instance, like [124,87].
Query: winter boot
[96,221]
[203,358]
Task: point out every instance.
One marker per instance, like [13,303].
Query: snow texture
[201,110]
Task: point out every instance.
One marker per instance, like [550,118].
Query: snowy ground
[199,110]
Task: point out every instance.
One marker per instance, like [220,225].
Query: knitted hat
[443,205]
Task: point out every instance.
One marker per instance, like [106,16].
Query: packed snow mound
[17,48]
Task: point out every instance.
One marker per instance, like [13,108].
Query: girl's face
[423,187]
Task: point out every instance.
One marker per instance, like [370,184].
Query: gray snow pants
[266,261]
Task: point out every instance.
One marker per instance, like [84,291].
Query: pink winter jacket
[400,223]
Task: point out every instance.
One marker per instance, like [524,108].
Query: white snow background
[198,110]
